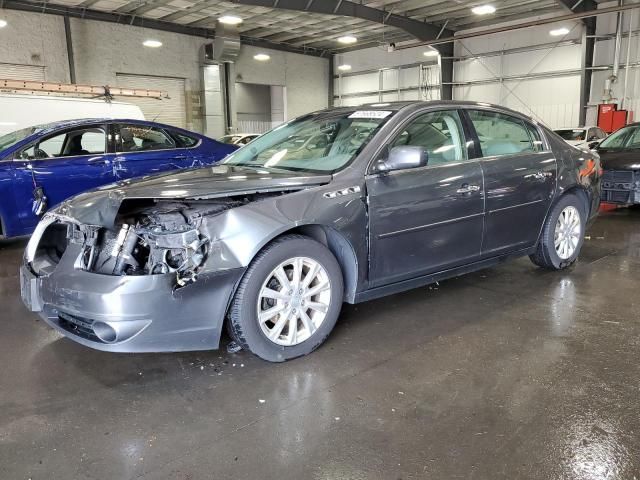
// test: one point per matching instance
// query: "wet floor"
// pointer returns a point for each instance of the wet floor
(507, 373)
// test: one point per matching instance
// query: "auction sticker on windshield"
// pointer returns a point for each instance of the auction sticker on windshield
(370, 114)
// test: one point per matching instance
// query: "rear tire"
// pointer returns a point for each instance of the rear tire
(288, 301)
(562, 235)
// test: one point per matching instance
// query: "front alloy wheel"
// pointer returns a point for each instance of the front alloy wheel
(289, 299)
(294, 301)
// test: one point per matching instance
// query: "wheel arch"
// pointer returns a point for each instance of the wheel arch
(577, 190)
(337, 244)
(582, 193)
(341, 248)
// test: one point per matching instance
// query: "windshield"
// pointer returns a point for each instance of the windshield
(322, 143)
(571, 134)
(623, 139)
(12, 138)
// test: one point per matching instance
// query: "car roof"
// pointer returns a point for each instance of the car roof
(397, 106)
(92, 121)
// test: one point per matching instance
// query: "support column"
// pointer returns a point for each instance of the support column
(72, 65)
(446, 71)
(588, 47)
(331, 80)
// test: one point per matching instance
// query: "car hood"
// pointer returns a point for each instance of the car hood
(620, 160)
(100, 206)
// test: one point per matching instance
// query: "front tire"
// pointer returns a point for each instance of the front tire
(562, 235)
(288, 301)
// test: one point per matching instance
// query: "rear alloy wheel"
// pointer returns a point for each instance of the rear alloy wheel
(288, 300)
(562, 235)
(568, 232)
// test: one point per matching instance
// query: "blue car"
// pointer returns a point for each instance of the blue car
(43, 165)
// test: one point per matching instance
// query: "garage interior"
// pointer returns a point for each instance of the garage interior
(509, 372)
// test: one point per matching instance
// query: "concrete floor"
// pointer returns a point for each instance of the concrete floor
(512, 372)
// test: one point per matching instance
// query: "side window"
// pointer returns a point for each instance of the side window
(185, 141)
(140, 138)
(601, 134)
(441, 135)
(86, 141)
(501, 134)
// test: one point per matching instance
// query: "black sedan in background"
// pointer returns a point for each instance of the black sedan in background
(342, 205)
(620, 157)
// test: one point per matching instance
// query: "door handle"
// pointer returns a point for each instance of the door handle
(539, 175)
(466, 188)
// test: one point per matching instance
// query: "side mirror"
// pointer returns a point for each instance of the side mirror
(403, 158)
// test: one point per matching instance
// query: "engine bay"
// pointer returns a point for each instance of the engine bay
(151, 238)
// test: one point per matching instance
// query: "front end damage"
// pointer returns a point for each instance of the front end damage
(159, 279)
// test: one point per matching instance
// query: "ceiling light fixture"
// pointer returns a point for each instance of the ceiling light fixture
(431, 53)
(230, 20)
(483, 10)
(348, 39)
(344, 67)
(558, 32)
(3, 23)
(261, 57)
(152, 43)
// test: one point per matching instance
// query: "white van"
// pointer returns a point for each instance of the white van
(20, 111)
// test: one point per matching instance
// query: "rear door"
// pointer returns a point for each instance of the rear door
(144, 150)
(63, 164)
(520, 180)
(427, 219)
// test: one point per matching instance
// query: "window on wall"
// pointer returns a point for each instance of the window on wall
(140, 138)
(440, 133)
(501, 134)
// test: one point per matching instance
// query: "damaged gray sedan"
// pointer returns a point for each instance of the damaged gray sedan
(343, 205)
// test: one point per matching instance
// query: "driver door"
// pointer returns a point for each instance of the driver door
(63, 164)
(427, 219)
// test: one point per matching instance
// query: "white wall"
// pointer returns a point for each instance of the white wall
(306, 78)
(392, 71)
(103, 49)
(550, 91)
(30, 39)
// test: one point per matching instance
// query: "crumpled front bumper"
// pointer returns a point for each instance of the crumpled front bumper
(130, 313)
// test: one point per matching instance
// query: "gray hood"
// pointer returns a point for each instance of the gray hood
(100, 206)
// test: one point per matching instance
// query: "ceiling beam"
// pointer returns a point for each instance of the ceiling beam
(126, 19)
(420, 30)
(578, 6)
(519, 26)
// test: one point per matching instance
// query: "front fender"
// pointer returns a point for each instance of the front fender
(239, 234)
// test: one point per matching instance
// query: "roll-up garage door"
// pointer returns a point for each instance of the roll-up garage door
(171, 111)
(12, 71)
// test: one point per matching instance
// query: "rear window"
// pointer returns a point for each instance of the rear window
(502, 134)
(570, 134)
(185, 141)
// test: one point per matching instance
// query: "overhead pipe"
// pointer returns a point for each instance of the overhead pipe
(626, 71)
(519, 26)
(607, 96)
